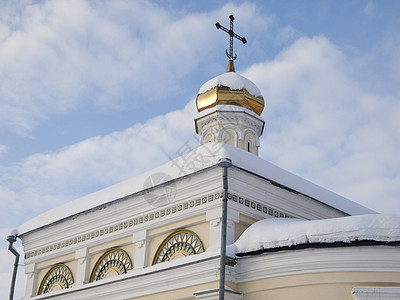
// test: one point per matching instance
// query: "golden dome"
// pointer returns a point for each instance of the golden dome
(230, 88)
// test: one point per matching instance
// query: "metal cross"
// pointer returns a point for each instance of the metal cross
(232, 34)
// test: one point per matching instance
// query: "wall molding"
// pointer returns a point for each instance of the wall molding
(156, 215)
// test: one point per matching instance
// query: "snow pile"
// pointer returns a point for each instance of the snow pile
(277, 233)
(232, 80)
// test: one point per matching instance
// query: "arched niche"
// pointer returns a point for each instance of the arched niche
(111, 263)
(249, 143)
(59, 277)
(178, 244)
(229, 136)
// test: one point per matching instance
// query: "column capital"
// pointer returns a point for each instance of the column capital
(216, 214)
(31, 280)
(81, 253)
(140, 236)
(30, 268)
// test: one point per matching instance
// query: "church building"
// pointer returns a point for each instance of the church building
(158, 235)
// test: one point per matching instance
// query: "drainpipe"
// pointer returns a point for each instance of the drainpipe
(11, 239)
(224, 163)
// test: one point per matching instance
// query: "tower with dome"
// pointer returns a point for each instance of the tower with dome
(160, 239)
(229, 108)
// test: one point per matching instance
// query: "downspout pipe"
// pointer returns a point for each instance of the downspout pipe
(11, 240)
(223, 163)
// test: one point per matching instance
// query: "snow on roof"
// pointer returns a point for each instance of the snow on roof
(276, 233)
(232, 80)
(210, 154)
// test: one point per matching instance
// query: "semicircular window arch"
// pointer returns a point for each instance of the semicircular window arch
(57, 278)
(111, 263)
(178, 244)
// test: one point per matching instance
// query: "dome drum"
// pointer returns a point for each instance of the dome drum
(228, 124)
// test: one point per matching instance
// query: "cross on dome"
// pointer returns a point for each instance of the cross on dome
(232, 34)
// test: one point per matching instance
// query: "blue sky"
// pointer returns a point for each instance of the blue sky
(94, 92)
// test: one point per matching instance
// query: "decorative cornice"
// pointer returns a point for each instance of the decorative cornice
(158, 214)
(229, 117)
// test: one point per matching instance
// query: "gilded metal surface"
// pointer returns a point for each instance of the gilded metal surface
(207, 99)
(231, 66)
(222, 95)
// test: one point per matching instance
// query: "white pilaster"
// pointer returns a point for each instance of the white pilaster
(141, 239)
(214, 216)
(232, 219)
(82, 273)
(230, 232)
(31, 280)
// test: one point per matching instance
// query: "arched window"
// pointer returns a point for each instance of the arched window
(249, 143)
(113, 262)
(209, 138)
(178, 244)
(57, 278)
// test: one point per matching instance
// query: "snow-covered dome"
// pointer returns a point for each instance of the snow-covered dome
(230, 88)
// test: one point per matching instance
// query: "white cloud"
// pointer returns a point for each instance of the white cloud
(369, 8)
(43, 181)
(286, 34)
(56, 55)
(3, 150)
(391, 45)
(327, 126)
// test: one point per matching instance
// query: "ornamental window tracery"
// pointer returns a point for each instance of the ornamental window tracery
(57, 278)
(178, 244)
(111, 263)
